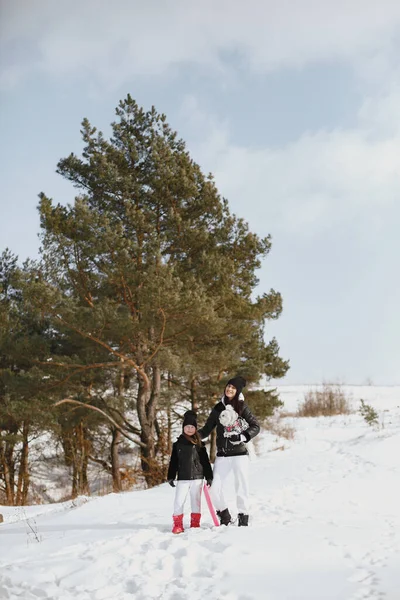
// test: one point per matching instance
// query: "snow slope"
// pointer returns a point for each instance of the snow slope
(325, 525)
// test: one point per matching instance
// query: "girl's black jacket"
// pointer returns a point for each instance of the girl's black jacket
(224, 446)
(189, 461)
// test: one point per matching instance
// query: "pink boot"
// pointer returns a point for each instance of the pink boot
(195, 519)
(178, 524)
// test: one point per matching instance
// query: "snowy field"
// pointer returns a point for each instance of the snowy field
(325, 525)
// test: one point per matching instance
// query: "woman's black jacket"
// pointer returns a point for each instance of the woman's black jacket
(189, 461)
(224, 446)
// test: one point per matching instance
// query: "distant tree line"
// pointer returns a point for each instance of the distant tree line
(142, 303)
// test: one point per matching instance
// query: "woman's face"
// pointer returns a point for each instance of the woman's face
(189, 429)
(230, 391)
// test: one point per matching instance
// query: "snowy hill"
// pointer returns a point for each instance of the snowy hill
(325, 525)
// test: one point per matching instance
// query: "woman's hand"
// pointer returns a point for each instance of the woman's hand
(237, 438)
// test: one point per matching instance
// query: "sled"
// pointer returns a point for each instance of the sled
(210, 505)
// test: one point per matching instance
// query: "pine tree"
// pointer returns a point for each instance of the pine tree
(23, 408)
(151, 270)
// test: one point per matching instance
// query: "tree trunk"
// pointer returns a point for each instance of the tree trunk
(7, 474)
(67, 443)
(160, 442)
(213, 445)
(193, 394)
(163, 452)
(9, 458)
(116, 437)
(169, 420)
(23, 472)
(115, 464)
(75, 483)
(81, 451)
(147, 402)
(145, 429)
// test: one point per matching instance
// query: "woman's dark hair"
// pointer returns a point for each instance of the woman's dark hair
(238, 383)
(236, 403)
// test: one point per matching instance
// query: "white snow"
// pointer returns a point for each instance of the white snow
(325, 525)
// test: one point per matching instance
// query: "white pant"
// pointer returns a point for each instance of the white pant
(183, 487)
(223, 466)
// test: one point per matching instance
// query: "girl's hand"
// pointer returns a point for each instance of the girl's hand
(171, 483)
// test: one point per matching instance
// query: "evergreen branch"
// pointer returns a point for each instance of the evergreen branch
(178, 383)
(80, 367)
(174, 337)
(60, 381)
(129, 302)
(66, 264)
(130, 344)
(161, 338)
(123, 357)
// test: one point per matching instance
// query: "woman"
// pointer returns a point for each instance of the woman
(232, 454)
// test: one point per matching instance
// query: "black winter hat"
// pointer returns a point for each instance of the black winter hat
(190, 418)
(238, 382)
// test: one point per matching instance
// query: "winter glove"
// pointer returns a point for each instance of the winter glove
(237, 439)
(171, 483)
(209, 482)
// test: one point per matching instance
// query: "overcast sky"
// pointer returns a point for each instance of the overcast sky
(294, 105)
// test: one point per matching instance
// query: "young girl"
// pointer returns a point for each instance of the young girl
(189, 460)
(232, 454)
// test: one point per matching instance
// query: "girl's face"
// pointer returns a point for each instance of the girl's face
(189, 429)
(230, 391)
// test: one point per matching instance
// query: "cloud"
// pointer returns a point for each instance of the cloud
(380, 114)
(323, 177)
(321, 180)
(112, 42)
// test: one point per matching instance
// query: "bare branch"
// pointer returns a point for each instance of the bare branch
(78, 403)
(103, 463)
(130, 427)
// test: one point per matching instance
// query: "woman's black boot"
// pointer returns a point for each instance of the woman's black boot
(243, 520)
(224, 516)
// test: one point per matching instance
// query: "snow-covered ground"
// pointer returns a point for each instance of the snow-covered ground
(325, 525)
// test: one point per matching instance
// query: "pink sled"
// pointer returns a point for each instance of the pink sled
(210, 505)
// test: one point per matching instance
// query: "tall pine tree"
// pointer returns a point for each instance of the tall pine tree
(151, 269)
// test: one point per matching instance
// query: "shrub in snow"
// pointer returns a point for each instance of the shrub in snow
(369, 414)
(329, 401)
(279, 428)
